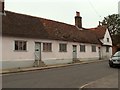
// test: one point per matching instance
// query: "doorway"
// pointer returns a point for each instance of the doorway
(74, 52)
(37, 51)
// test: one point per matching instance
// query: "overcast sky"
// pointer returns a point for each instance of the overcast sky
(91, 11)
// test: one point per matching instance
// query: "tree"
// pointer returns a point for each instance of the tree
(113, 23)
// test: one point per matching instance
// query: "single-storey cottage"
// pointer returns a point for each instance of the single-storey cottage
(34, 41)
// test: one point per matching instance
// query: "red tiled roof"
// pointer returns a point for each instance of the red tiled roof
(99, 31)
(20, 25)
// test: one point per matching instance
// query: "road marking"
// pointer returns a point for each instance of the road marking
(87, 84)
(94, 81)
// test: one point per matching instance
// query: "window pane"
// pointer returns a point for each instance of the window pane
(93, 48)
(107, 39)
(82, 48)
(16, 45)
(24, 45)
(62, 47)
(20, 45)
(44, 47)
(47, 47)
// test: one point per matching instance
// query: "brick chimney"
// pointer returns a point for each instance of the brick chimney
(78, 20)
(2, 6)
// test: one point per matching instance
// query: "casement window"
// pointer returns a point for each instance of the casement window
(62, 47)
(93, 48)
(107, 39)
(20, 46)
(47, 47)
(107, 49)
(82, 48)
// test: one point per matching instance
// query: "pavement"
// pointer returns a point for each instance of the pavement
(18, 70)
(110, 81)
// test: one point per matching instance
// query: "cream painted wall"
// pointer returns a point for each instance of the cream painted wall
(9, 53)
(55, 54)
(105, 54)
(104, 41)
(54, 57)
(89, 55)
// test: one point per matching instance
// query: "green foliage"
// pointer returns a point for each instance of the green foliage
(113, 23)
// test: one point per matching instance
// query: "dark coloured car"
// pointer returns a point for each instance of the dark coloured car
(115, 60)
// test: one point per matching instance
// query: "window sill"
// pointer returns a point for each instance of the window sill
(20, 51)
(63, 51)
(82, 52)
(47, 51)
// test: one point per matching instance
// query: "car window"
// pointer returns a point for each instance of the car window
(117, 54)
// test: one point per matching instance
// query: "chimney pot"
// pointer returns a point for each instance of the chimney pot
(77, 13)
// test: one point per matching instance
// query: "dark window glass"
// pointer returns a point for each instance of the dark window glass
(82, 48)
(93, 48)
(20, 45)
(63, 47)
(47, 47)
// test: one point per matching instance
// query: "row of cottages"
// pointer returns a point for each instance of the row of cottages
(32, 41)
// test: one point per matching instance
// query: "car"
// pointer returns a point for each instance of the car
(115, 60)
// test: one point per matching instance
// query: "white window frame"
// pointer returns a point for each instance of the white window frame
(82, 48)
(19, 45)
(47, 47)
(62, 47)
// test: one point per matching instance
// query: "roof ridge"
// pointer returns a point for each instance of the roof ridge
(24, 14)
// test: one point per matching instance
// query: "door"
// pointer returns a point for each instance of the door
(37, 51)
(74, 52)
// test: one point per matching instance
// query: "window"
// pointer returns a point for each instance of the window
(47, 47)
(107, 39)
(107, 49)
(93, 48)
(20, 45)
(82, 48)
(63, 47)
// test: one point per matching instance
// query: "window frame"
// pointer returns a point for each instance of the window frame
(108, 40)
(20, 45)
(62, 47)
(93, 47)
(82, 48)
(47, 47)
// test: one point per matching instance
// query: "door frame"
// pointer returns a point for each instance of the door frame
(74, 53)
(40, 49)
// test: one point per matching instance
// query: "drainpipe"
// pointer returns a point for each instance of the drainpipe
(99, 48)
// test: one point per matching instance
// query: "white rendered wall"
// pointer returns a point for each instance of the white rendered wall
(55, 57)
(104, 41)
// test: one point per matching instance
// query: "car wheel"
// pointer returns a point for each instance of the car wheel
(111, 65)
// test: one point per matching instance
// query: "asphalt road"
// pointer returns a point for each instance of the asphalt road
(63, 77)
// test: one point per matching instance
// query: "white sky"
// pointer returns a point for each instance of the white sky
(91, 11)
